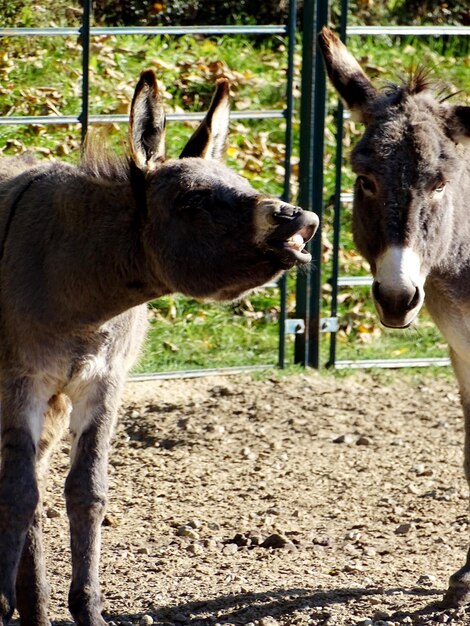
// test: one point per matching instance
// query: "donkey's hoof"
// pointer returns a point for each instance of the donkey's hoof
(458, 593)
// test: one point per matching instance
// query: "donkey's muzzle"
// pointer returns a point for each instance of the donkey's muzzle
(397, 307)
(295, 229)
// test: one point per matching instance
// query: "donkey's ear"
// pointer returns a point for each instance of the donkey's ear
(458, 123)
(208, 140)
(147, 123)
(347, 76)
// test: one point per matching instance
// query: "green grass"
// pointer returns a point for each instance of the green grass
(42, 76)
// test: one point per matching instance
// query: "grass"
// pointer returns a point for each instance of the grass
(42, 76)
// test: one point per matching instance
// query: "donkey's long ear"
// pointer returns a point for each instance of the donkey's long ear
(458, 123)
(208, 140)
(347, 76)
(147, 123)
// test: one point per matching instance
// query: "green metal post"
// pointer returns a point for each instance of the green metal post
(312, 125)
(85, 41)
(337, 200)
(291, 32)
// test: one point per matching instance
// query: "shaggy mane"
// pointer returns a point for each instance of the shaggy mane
(418, 81)
(100, 161)
(414, 83)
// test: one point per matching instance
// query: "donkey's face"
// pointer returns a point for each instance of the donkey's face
(409, 168)
(209, 233)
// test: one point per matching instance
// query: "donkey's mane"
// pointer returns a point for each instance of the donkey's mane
(413, 83)
(100, 161)
(419, 80)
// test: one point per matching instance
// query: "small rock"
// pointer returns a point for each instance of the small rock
(368, 551)
(143, 550)
(187, 531)
(344, 439)
(322, 540)
(403, 529)
(223, 391)
(241, 540)
(363, 441)
(195, 548)
(352, 568)
(365, 622)
(273, 511)
(146, 620)
(277, 541)
(195, 523)
(421, 470)
(249, 454)
(381, 616)
(210, 544)
(230, 548)
(216, 430)
(268, 621)
(353, 535)
(426, 580)
(52, 513)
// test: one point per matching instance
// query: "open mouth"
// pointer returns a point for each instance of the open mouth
(294, 246)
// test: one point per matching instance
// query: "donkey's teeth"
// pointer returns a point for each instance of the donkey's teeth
(297, 239)
(296, 242)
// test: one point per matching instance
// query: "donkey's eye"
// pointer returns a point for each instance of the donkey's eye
(194, 200)
(366, 184)
(440, 187)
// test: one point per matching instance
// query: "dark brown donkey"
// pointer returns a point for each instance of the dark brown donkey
(83, 248)
(411, 214)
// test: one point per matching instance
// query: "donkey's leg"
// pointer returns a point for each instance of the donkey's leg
(86, 490)
(458, 592)
(32, 590)
(21, 425)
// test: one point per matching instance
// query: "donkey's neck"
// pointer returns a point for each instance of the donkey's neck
(452, 272)
(91, 250)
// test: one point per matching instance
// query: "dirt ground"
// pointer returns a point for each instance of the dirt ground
(308, 499)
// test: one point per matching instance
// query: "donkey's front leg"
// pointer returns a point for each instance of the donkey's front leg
(458, 593)
(21, 424)
(86, 490)
(32, 589)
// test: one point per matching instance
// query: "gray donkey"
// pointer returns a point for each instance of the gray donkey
(411, 218)
(82, 249)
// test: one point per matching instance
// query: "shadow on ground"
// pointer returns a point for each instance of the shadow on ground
(279, 604)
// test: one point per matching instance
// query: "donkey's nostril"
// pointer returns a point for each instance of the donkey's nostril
(376, 291)
(396, 300)
(286, 212)
(414, 300)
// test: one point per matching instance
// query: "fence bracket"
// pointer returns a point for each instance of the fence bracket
(329, 324)
(294, 326)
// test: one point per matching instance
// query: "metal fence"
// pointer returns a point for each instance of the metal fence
(308, 324)
(85, 34)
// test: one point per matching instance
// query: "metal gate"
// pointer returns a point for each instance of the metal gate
(85, 34)
(308, 325)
